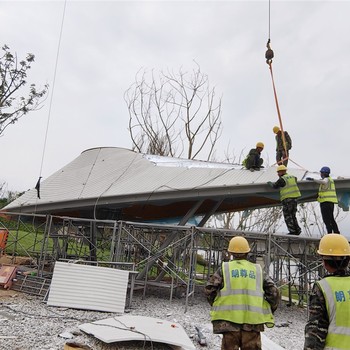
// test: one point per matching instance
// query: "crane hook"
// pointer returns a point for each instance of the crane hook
(269, 53)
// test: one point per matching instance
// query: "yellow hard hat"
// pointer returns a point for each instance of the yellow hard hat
(334, 244)
(276, 129)
(260, 144)
(281, 168)
(238, 244)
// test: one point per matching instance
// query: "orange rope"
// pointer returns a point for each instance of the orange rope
(278, 108)
(269, 56)
(269, 62)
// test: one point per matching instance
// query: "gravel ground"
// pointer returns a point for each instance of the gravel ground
(27, 323)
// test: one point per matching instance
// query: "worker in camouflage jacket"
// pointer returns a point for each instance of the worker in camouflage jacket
(282, 146)
(243, 299)
(289, 194)
(253, 160)
(328, 326)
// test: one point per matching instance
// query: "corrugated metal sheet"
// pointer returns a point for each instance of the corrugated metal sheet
(128, 327)
(111, 172)
(114, 176)
(88, 287)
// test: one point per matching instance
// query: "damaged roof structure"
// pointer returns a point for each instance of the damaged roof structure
(120, 184)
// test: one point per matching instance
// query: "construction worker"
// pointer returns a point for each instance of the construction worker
(282, 146)
(243, 299)
(289, 192)
(327, 197)
(253, 161)
(328, 326)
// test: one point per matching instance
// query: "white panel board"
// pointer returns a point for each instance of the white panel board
(128, 327)
(88, 287)
(268, 344)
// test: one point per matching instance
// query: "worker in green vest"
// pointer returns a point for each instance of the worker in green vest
(327, 197)
(243, 299)
(328, 326)
(289, 193)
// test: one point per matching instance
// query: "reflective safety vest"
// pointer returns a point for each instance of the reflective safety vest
(336, 292)
(327, 193)
(290, 190)
(241, 300)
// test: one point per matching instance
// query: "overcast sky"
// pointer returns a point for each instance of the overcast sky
(105, 43)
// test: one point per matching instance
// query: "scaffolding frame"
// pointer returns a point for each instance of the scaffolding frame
(163, 255)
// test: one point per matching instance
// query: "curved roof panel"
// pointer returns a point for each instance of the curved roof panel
(112, 178)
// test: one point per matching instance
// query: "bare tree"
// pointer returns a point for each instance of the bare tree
(259, 220)
(13, 74)
(310, 217)
(271, 219)
(174, 114)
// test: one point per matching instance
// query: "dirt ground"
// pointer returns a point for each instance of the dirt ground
(15, 260)
(8, 293)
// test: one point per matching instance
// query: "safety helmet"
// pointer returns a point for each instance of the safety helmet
(260, 144)
(281, 168)
(239, 245)
(334, 244)
(325, 169)
(276, 129)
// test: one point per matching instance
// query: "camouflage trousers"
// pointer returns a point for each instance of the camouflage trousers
(281, 154)
(289, 208)
(241, 340)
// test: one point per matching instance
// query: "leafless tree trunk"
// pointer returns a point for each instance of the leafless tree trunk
(260, 220)
(311, 219)
(174, 114)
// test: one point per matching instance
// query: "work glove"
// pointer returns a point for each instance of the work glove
(270, 184)
(309, 178)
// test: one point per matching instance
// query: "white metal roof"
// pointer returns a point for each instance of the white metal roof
(116, 176)
(117, 172)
